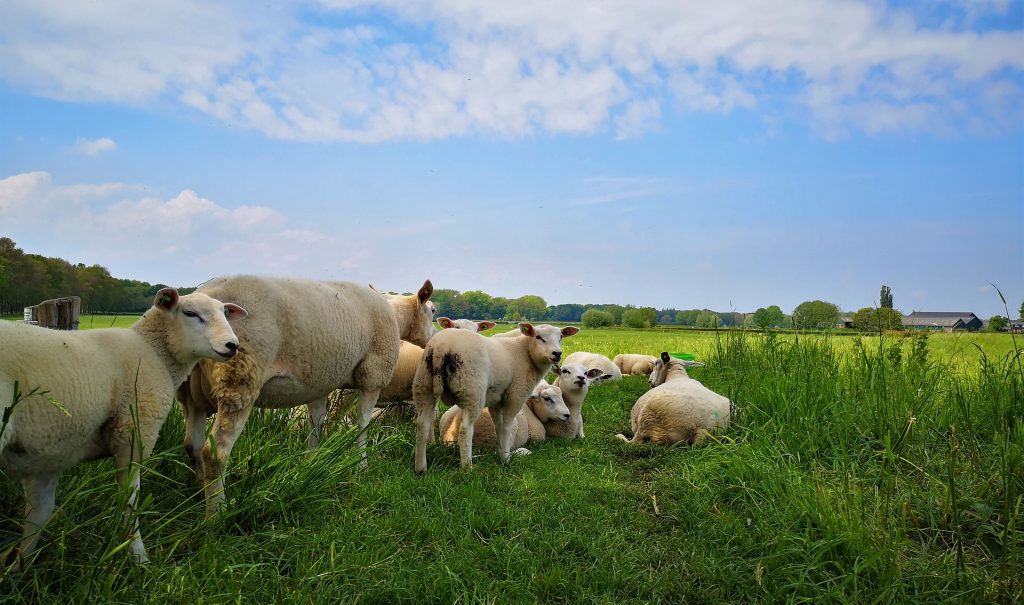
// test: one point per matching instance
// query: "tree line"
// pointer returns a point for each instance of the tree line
(28, 279)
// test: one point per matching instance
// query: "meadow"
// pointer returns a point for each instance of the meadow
(858, 469)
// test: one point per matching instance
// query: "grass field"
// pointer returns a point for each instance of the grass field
(858, 470)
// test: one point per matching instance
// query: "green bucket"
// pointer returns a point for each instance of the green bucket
(684, 356)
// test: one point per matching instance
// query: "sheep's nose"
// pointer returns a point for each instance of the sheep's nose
(565, 416)
(556, 355)
(232, 346)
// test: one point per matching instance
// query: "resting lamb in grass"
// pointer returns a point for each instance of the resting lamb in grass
(302, 340)
(472, 371)
(635, 365)
(544, 406)
(678, 409)
(609, 371)
(573, 382)
(105, 379)
(465, 324)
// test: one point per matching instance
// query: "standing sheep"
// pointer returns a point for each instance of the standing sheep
(573, 381)
(117, 387)
(609, 371)
(544, 406)
(472, 371)
(635, 365)
(678, 409)
(302, 340)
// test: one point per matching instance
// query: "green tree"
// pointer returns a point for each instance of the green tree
(815, 315)
(770, 317)
(478, 304)
(531, 307)
(885, 298)
(1020, 314)
(635, 318)
(595, 318)
(707, 319)
(875, 320)
(997, 323)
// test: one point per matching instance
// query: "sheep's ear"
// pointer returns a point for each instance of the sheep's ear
(570, 330)
(166, 299)
(526, 328)
(593, 373)
(233, 312)
(665, 356)
(374, 288)
(557, 369)
(607, 377)
(485, 325)
(444, 322)
(424, 294)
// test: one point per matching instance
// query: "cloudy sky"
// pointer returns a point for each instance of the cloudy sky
(728, 155)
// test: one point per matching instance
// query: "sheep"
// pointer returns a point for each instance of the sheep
(635, 365)
(465, 324)
(573, 382)
(609, 371)
(545, 405)
(678, 409)
(303, 340)
(472, 371)
(114, 388)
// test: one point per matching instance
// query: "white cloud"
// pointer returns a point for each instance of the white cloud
(515, 69)
(93, 147)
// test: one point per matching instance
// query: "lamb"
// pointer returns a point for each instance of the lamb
(678, 409)
(115, 387)
(545, 405)
(472, 371)
(635, 365)
(609, 371)
(303, 340)
(573, 382)
(465, 324)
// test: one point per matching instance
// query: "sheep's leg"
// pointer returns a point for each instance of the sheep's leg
(227, 427)
(470, 414)
(195, 436)
(40, 496)
(425, 413)
(506, 426)
(317, 412)
(128, 478)
(367, 401)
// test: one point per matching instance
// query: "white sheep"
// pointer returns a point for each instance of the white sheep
(678, 409)
(573, 382)
(631, 364)
(472, 371)
(609, 371)
(114, 386)
(465, 324)
(302, 340)
(544, 406)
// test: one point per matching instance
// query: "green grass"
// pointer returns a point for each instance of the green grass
(885, 471)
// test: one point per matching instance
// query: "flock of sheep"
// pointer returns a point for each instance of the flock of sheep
(68, 397)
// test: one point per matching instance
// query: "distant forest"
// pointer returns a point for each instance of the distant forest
(28, 279)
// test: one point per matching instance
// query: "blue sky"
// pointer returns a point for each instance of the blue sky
(656, 153)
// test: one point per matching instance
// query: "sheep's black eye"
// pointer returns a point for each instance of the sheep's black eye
(540, 339)
(548, 399)
(195, 315)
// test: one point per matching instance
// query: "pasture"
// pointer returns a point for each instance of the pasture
(858, 470)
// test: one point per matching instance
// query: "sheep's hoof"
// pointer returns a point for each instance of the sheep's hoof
(522, 452)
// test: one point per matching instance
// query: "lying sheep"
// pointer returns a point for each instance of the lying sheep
(465, 324)
(573, 382)
(114, 386)
(472, 371)
(545, 405)
(678, 409)
(303, 340)
(609, 371)
(635, 365)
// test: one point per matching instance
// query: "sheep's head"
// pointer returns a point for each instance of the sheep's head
(667, 366)
(415, 314)
(204, 322)
(547, 404)
(464, 324)
(576, 376)
(545, 343)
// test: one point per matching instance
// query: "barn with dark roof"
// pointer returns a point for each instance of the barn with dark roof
(947, 321)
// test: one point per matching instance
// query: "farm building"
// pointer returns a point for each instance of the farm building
(947, 321)
(56, 314)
